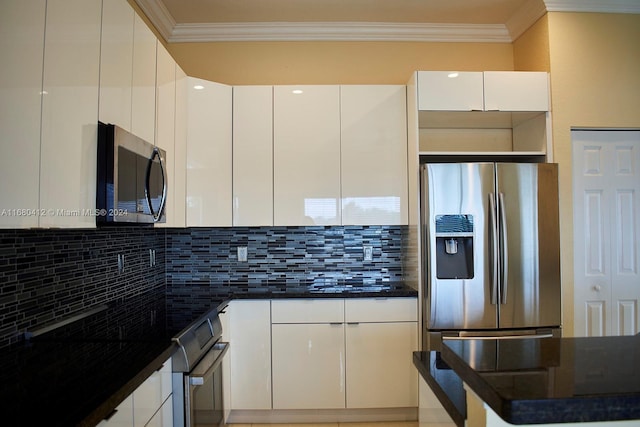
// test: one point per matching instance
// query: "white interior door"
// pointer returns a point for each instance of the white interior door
(606, 195)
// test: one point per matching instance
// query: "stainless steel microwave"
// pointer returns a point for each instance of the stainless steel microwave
(131, 179)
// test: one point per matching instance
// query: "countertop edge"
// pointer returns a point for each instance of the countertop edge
(108, 406)
(444, 399)
(545, 411)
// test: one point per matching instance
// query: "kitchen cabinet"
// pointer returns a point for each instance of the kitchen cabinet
(149, 405)
(143, 95)
(253, 156)
(381, 333)
(122, 416)
(344, 353)
(373, 155)
(165, 126)
(249, 355)
(495, 113)
(116, 63)
(306, 155)
(69, 113)
(150, 396)
(179, 179)
(483, 91)
(22, 27)
(450, 91)
(516, 91)
(209, 153)
(308, 354)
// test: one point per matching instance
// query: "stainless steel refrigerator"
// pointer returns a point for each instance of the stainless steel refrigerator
(491, 251)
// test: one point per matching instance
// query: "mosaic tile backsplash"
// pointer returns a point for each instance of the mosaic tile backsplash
(46, 275)
(278, 257)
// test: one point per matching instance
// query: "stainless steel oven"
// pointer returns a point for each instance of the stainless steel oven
(197, 373)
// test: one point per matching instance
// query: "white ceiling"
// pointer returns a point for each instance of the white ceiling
(393, 20)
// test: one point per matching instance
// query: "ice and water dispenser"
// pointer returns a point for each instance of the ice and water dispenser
(454, 246)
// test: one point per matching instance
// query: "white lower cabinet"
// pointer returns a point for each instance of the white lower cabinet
(149, 405)
(379, 366)
(249, 356)
(344, 353)
(308, 366)
(149, 397)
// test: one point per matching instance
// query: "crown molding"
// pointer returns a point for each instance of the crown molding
(159, 16)
(601, 6)
(172, 32)
(339, 31)
(525, 17)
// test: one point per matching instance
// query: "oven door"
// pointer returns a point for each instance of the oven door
(203, 389)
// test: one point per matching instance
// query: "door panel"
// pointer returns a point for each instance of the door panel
(531, 286)
(606, 184)
(458, 189)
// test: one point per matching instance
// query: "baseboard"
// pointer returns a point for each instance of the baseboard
(280, 416)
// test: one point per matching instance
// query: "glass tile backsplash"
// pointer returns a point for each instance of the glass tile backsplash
(48, 274)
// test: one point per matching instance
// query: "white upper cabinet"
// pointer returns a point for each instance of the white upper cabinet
(374, 155)
(165, 126)
(253, 155)
(116, 63)
(450, 91)
(306, 150)
(516, 91)
(70, 113)
(483, 91)
(180, 152)
(209, 153)
(143, 102)
(21, 47)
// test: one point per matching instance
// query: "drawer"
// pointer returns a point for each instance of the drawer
(381, 310)
(307, 311)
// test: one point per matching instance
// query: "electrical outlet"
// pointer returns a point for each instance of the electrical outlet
(368, 252)
(242, 254)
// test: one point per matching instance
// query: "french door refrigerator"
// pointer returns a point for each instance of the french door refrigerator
(491, 251)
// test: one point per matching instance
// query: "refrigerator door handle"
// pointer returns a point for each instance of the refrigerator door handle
(493, 230)
(504, 250)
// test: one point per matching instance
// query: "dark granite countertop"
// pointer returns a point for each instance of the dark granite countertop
(552, 380)
(79, 373)
(444, 382)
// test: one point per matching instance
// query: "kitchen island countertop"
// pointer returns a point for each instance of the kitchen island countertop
(550, 380)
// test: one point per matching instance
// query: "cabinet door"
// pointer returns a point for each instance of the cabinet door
(165, 125)
(122, 416)
(379, 368)
(250, 354)
(143, 101)
(116, 63)
(164, 416)
(516, 91)
(209, 158)
(308, 366)
(180, 151)
(374, 155)
(151, 394)
(450, 91)
(22, 26)
(70, 113)
(253, 155)
(306, 150)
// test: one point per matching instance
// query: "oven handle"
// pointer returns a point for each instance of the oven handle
(197, 376)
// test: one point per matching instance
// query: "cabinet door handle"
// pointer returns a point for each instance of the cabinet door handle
(353, 323)
(335, 323)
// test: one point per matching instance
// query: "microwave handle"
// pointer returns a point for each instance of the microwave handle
(158, 214)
